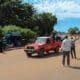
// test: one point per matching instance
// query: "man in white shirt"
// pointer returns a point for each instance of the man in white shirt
(66, 48)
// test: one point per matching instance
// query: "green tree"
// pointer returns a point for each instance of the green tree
(73, 30)
(11, 28)
(6, 11)
(45, 22)
(15, 12)
(27, 33)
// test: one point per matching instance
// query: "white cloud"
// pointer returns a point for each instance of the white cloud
(61, 8)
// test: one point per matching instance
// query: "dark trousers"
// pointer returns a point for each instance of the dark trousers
(66, 55)
(1, 49)
(1, 46)
(73, 52)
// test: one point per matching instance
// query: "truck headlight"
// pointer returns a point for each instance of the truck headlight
(25, 47)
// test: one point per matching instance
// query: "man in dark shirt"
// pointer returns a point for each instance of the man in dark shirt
(73, 51)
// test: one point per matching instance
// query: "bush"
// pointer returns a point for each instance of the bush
(11, 28)
(24, 31)
(27, 34)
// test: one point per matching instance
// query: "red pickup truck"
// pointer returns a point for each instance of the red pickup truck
(42, 46)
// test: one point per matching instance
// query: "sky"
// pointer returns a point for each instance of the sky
(66, 11)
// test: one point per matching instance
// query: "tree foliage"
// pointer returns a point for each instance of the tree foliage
(14, 12)
(73, 30)
(27, 33)
(44, 22)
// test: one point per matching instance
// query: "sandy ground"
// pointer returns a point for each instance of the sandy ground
(15, 65)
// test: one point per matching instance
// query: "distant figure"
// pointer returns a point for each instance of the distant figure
(73, 51)
(58, 38)
(53, 35)
(66, 48)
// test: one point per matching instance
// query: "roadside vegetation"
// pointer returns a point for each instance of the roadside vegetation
(16, 16)
(23, 15)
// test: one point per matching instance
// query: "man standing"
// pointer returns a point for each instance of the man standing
(66, 48)
(73, 51)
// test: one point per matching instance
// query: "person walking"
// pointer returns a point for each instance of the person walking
(66, 48)
(73, 51)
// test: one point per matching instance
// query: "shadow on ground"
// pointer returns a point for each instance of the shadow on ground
(46, 55)
(78, 58)
(74, 67)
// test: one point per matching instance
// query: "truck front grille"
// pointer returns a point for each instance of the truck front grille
(30, 47)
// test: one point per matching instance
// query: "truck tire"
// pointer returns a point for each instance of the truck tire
(41, 53)
(28, 54)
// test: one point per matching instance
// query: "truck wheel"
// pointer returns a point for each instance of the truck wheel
(29, 54)
(56, 50)
(41, 53)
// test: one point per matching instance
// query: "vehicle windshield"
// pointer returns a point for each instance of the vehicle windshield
(41, 40)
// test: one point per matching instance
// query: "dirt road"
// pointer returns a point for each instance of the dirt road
(14, 65)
